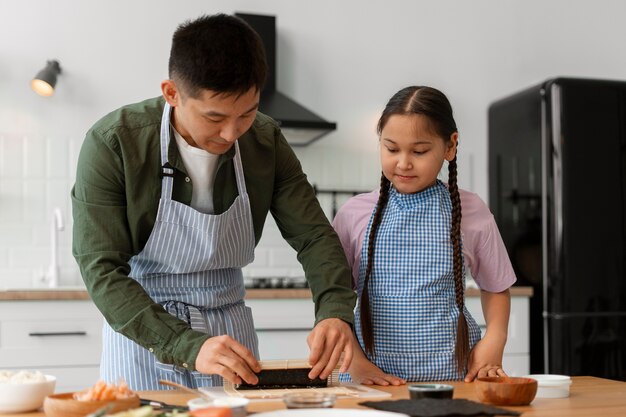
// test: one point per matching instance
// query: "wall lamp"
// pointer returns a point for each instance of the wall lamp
(45, 80)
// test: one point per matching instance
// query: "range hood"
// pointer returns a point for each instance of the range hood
(299, 125)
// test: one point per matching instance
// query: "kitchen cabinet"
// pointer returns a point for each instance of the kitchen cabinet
(57, 337)
(283, 325)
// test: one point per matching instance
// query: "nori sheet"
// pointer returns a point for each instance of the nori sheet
(285, 378)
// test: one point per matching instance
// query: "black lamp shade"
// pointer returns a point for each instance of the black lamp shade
(45, 80)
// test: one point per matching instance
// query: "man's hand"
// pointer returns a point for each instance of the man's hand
(223, 355)
(327, 341)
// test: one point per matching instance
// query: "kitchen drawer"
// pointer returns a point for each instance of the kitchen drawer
(295, 314)
(38, 334)
(49, 342)
(282, 326)
(283, 344)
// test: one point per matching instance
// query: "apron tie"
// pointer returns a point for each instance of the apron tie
(190, 314)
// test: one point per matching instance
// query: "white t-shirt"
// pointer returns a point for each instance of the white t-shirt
(201, 166)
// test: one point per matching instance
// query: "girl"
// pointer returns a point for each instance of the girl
(411, 320)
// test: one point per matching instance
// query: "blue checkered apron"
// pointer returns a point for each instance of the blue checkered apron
(414, 313)
(191, 265)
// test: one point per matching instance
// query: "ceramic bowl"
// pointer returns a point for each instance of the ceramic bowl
(237, 406)
(504, 390)
(552, 386)
(309, 400)
(25, 396)
(419, 391)
(64, 405)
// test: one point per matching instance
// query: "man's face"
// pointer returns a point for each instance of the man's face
(212, 121)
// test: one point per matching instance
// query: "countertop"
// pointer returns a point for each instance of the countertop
(589, 396)
(287, 293)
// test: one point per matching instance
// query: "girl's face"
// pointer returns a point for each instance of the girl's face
(411, 154)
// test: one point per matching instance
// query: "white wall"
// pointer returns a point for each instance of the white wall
(342, 59)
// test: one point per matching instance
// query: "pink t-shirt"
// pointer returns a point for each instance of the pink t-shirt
(483, 248)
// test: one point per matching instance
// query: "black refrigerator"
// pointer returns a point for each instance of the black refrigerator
(557, 188)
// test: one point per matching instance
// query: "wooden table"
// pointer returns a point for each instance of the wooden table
(589, 397)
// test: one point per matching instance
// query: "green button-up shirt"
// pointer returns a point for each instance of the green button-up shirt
(115, 200)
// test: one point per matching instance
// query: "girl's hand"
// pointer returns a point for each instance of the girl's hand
(485, 359)
(362, 371)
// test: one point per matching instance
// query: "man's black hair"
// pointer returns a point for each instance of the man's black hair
(221, 53)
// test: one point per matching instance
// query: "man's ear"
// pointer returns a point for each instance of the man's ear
(170, 92)
(451, 147)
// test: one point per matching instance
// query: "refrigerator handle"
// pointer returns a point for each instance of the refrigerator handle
(552, 219)
(545, 155)
(557, 174)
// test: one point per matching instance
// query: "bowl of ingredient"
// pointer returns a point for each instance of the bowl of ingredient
(309, 400)
(419, 391)
(22, 391)
(552, 386)
(116, 397)
(504, 390)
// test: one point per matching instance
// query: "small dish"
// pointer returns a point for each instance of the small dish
(504, 390)
(309, 400)
(419, 391)
(236, 405)
(18, 397)
(64, 405)
(552, 386)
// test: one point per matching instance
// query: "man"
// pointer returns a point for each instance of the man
(170, 199)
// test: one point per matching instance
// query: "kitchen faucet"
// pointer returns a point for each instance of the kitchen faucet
(52, 276)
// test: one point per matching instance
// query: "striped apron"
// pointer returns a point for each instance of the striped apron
(191, 265)
(414, 312)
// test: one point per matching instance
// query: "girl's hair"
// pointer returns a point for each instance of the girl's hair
(435, 106)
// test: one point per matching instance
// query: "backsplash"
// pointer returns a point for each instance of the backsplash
(36, 176)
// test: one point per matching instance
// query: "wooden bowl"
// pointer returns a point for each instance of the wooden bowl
(64, 405)
(503, 390)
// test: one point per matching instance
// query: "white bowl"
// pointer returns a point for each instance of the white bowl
(552, 386)
(25, 396)
(237, 405)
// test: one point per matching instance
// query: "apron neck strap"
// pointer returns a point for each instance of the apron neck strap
(167, 174)
(241, 183)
